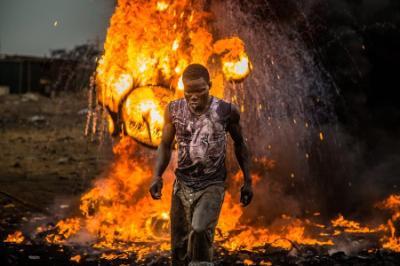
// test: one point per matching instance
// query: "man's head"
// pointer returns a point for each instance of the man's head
(196, 82)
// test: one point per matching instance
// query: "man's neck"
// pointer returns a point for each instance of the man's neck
(204, 110)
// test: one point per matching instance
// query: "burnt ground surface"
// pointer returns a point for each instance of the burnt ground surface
(47, 163)
(13, 254)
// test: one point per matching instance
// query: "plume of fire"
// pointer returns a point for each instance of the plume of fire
(118, 210)
(120, 213)
(149, 43)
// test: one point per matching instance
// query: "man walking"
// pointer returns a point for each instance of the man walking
(199, 123)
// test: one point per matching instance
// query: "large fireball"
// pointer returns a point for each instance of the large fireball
(149, 43)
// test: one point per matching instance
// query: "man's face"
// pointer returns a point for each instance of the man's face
(196, 93)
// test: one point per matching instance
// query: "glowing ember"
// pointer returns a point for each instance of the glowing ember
(76, 258)
(248, 262)
(112, 256)
(16, 237)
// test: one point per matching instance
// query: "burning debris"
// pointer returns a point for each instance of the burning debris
(15, 237)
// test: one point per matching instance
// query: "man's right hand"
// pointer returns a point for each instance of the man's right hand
(155, 188)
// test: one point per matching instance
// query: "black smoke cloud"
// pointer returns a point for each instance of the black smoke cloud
(357, 43)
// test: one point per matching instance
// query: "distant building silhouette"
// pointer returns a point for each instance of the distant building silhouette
(64, 70)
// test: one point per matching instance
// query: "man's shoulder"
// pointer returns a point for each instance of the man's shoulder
(224, 108)
(224, 102)
(175, 105)
(177, 102)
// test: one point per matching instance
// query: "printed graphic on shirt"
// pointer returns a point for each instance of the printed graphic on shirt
(207, 144)
(201, 142)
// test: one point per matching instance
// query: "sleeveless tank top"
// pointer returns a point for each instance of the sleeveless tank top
(201, 141)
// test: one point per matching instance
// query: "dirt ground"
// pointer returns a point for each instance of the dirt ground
(45, 157)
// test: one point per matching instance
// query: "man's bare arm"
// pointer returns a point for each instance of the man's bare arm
(165, 148)
(242, 155)
(241, 150)
(163, 155)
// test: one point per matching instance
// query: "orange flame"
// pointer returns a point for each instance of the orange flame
(66, 228)
(235, 62)
(76, 258)
(392, 203)
(16, 237)
(149, 43)
(351, 226)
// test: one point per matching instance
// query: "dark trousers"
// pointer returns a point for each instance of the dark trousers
(194, 216)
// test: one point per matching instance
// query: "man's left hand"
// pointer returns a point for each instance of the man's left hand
(246, 194)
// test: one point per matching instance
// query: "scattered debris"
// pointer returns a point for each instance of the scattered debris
(30, 97)
(83, 111)
(37, 119)
(63, 160)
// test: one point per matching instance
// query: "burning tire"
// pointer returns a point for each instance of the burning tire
(143, 113)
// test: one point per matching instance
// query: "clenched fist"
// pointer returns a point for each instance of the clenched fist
(246, 194)
(155, 188)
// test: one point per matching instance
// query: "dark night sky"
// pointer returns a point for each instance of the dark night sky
(28, 27)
